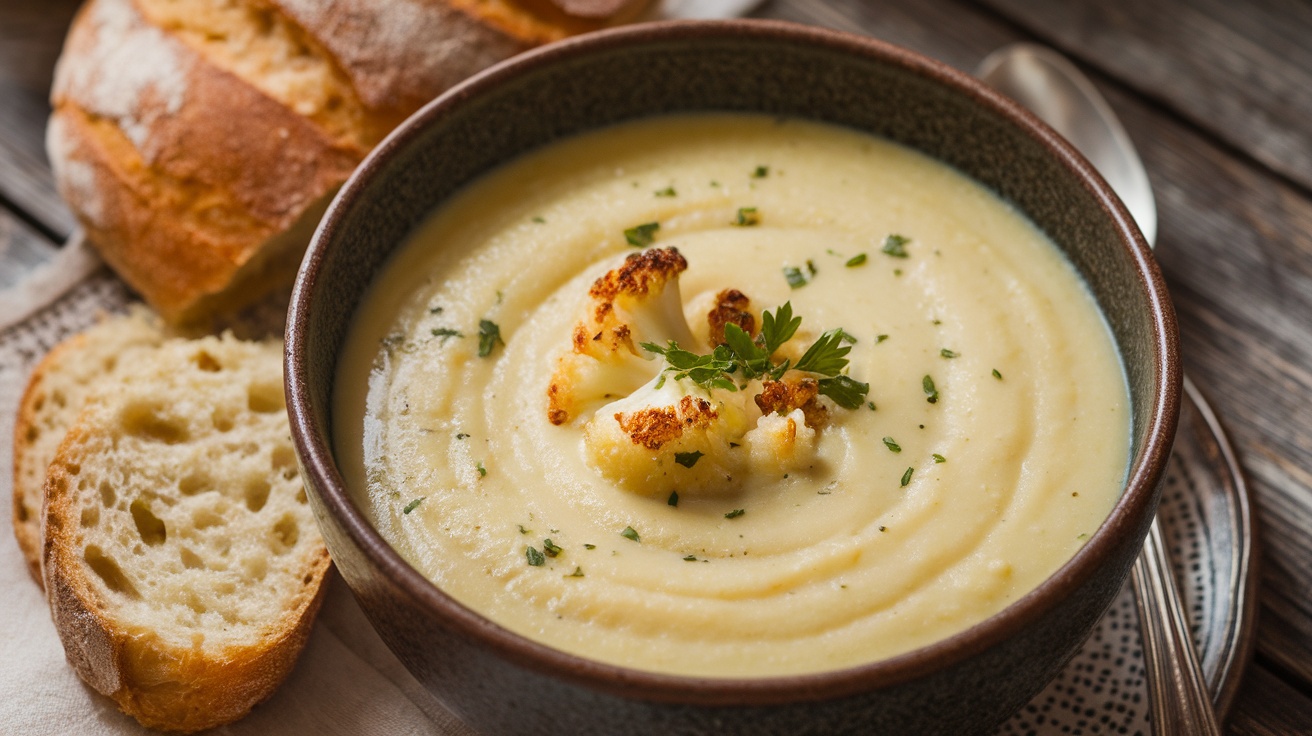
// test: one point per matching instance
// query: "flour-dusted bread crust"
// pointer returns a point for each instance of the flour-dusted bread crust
(55, 394)
(198, 141)
(181, 560)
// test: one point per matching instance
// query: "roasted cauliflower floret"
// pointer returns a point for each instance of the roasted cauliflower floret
(670, 434)
(731, 307)
(635, 303)
(794, 391)
(781, 442)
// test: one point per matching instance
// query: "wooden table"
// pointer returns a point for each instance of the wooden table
(1218, 97)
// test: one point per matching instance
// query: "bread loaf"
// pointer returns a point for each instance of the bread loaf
(55, 394)
(182, 563)
(198, 141)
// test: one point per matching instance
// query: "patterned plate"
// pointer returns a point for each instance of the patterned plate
(1208, 524)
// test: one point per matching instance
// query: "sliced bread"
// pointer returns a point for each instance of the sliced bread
(181, 560)
(55, 394)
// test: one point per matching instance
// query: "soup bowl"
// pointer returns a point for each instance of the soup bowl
(498, 681)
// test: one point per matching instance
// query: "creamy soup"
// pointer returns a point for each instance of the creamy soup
(976, 436)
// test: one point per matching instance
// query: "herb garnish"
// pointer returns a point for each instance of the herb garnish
(871, 404)
(895, 245)
(522, 530)
(761, 172)
(747, 216)
(535, 558)
(539, 219)
(446, 333)
(892, 445)
(996, 374)
(949, 353)
(754, 358)
(856, 260)
(673, 499)
(880, 338)
(578, 573)
(589, 546)
(688, 459)
(795, 278)
(630, 533)
(462, 436)
(641, 236)
(413, 505)
(551, 548)
(690, 558)
(735, 513)
(666, 192)
(482, 471)
(489, 336)
(939, 458)
(931, 393)
(906, 477)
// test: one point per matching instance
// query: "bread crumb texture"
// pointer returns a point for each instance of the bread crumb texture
(55, 394)
(182, 562)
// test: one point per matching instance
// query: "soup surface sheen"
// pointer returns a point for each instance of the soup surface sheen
(910, 522)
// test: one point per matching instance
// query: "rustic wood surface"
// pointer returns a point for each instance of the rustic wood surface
(1217, 95)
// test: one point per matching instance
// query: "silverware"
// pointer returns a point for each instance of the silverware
(1051, 87)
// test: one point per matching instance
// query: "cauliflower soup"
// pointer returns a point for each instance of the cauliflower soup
(731, 396)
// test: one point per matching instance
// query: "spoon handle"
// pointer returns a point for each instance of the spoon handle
(1177, 692)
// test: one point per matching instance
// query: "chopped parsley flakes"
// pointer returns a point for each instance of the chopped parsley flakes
(413, 505)
(761, 172)
(551, 548)
(747, 217)
(949, 353)
(895, 246)
(939, 458)
(906, 477)
(666, 192)
(735, 513)
(489, 336)
(931, 393)
(535, 558)
(892, 445)
(630, 533)
(856, 260)
(688, 459)
(996, 374)
(446, 333)
(673, 500)
(641, 236)
(795, 278)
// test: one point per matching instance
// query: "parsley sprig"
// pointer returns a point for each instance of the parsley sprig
(754, 358)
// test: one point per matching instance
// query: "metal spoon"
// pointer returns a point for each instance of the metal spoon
(1051, 87)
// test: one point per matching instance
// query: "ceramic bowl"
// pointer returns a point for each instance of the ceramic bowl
(502, 683)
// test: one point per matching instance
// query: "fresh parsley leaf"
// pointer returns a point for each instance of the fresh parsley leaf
(688, 459)
(846, 336)
(630, 533)
(931, 393)
(892, 445)
(826, 354)
(856, 260)
(446, 333)
(707, 371)
(747, 217)
(895, 245)
(673, 499)
(846, 391)
(489, 336)
(795, 278)
(551, 548)
(413, 505)
(535, 558)
(641, 236)
(778, 328)
(906, 477)
(735, 513)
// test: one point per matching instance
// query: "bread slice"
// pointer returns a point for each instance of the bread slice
(181, 560)
(55, 394)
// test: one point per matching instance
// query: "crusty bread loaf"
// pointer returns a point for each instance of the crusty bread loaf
(198, 141)
(55, 394)
(182, 563)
